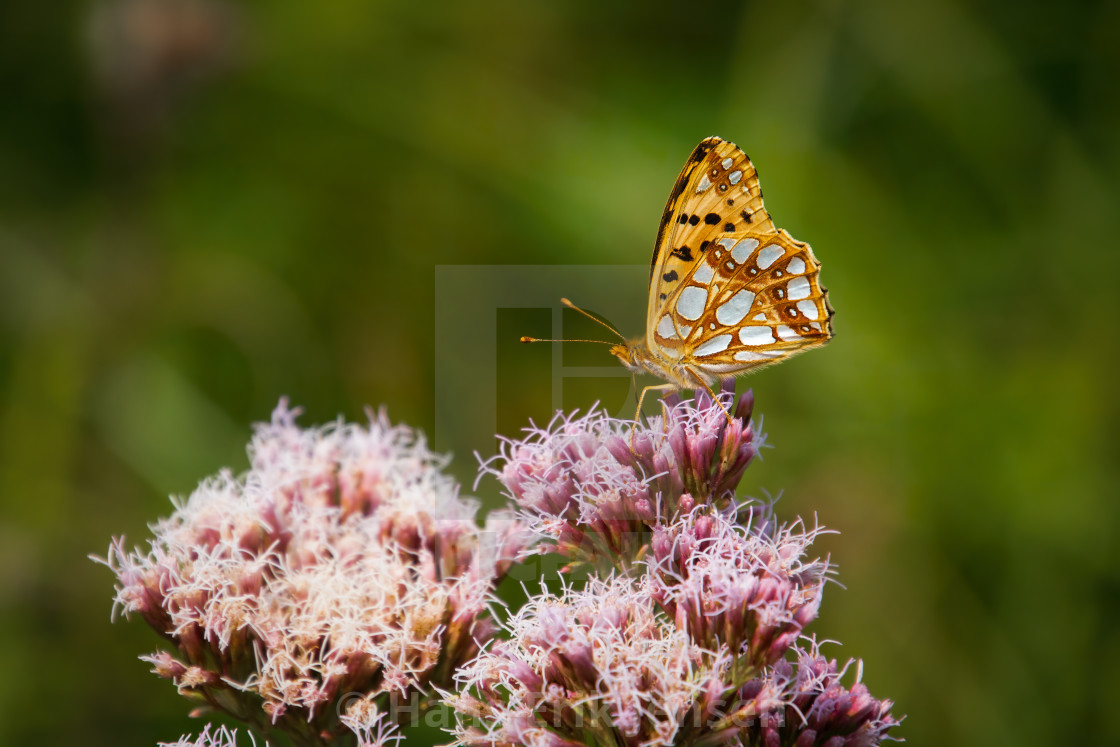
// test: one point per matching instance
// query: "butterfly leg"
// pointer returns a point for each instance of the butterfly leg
(715, 399)
(638, 413)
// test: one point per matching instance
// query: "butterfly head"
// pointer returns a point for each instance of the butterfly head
(636, 356)
(632, 356)
(624, 353)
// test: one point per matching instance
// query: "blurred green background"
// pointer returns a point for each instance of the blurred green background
(207, 204)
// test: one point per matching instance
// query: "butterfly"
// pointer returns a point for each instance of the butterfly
(728, 292)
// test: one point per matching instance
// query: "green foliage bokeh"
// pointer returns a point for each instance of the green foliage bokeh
(208, 204)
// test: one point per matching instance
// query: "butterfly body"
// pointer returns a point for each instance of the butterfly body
(637, 357)
(728, 291)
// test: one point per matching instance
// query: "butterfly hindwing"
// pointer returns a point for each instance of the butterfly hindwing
(752, 298)
(763, 303)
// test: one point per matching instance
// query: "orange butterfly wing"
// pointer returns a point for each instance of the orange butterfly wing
(728, 291)
(716, 192)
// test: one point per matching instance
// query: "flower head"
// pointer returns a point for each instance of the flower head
(595, 666)
(593, 487)
(689, 644)
(344, 561)
(749, 588)
(820, 709)
(601, 666)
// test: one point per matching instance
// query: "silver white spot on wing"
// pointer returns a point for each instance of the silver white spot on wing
(808, 307)
(759, 317)
(768, 255)
(715, 345)
(733, 311)
(666, 329)
(704, 184)
(735, 176)
(756, 336)
(798, 288)
(796, 266)
(727, 163)
(726, 243)
(786, 333)
(690, 303)
(750, 355)
(717, 369)
(743, 249)
(703, 273)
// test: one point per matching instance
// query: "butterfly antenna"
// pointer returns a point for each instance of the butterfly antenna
(526, 338)
(593, 318)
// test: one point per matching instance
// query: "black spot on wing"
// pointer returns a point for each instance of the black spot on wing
(683, 253)
(728, 227)
(698, 155)
(670, 276)
(711, 219)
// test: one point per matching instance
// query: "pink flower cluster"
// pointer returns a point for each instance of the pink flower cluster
(687, 640)
(594, 487)
(599, 666)
(819, 709)
(344, 572)
(341, 568)
(749, 589)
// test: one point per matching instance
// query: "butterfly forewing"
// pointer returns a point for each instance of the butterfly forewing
(730, 295)
(716, 193)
